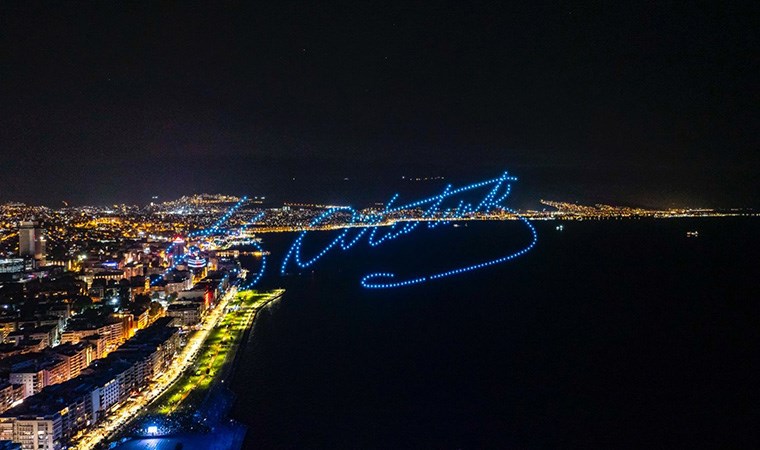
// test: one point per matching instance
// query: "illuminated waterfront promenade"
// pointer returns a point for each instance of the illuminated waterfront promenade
(184, 361)
(216, 355)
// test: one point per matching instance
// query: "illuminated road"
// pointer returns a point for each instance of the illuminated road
(133, 406)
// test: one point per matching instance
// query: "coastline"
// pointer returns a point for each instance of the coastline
(247, 335)
(211, 410)
(219, 399)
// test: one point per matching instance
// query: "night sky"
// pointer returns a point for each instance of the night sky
(655, 105)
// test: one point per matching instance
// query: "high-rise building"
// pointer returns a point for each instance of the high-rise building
(178, 247)
(31, 241)
(26, 238)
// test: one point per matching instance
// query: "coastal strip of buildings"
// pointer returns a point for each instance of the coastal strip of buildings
(90, 313)
(52, 417)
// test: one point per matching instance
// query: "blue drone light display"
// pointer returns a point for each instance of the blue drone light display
(369, 225)
(367, 279)
(258, 247)
(215, 227)
(261, 269)
(500, 189)
(255, 219)
(203, 233)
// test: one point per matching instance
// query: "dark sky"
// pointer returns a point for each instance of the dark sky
(106, 102)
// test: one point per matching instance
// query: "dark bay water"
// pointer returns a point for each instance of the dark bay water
(609, 334)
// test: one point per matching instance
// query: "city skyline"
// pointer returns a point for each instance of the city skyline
(249, 225)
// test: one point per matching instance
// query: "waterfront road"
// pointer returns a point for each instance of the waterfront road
(133, 406)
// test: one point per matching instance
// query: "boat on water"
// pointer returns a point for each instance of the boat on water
(692, 234)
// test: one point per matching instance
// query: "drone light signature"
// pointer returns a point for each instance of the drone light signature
(370, 225)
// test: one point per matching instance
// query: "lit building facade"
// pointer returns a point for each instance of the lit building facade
(31, 241)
